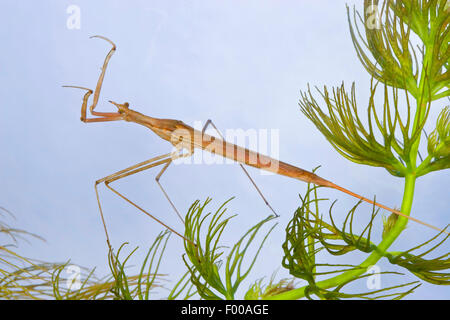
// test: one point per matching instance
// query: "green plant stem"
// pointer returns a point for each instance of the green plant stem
(408, 195)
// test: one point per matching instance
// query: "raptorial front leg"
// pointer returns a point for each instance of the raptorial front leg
(101, 116)
(209, 122)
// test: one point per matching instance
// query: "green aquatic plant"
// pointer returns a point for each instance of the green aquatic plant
(27, 278)
(404, 46)
(204, 258)
(308, 234)
(118, 285)
(21, 277)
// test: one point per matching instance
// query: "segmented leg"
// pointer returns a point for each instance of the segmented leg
(164, 170)
(153, 162)
(164, 191)
(101, 116)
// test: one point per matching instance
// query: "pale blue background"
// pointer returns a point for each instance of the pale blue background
(240, 63)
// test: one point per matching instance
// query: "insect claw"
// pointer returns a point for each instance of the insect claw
(77, 87)
(104, 38)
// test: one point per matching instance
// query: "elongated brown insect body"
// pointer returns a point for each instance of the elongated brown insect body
(181, 136)
(184, 136)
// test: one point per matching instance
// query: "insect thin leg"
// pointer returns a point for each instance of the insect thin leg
(209, 122)
(162, 188)
(153, 162)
